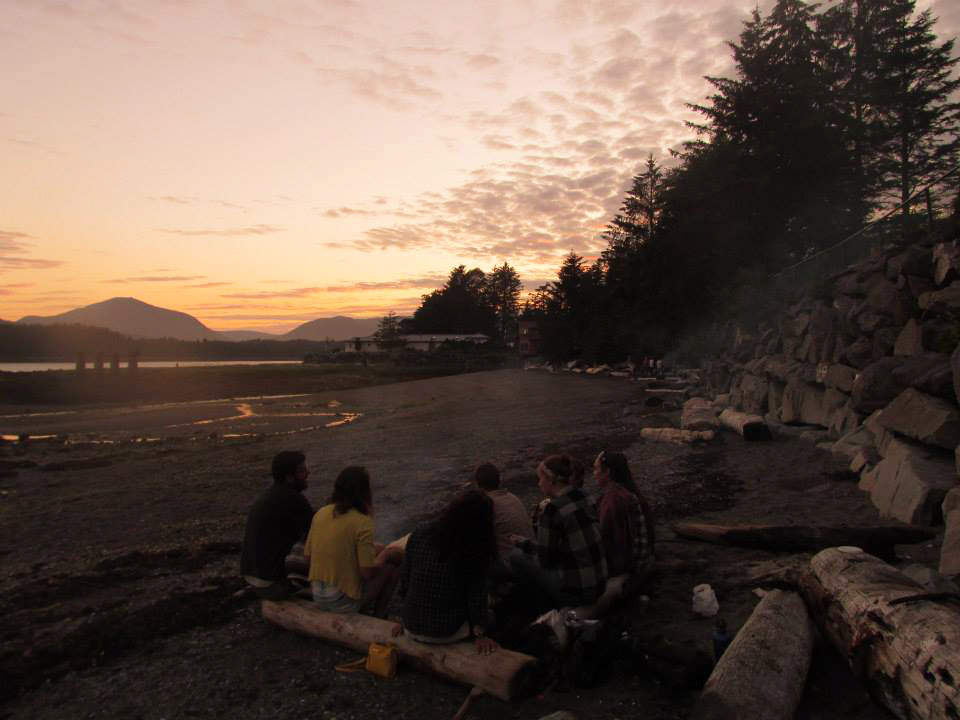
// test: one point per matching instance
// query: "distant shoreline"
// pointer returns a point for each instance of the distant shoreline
(148, 384)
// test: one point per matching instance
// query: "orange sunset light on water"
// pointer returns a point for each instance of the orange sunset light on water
(260, 164)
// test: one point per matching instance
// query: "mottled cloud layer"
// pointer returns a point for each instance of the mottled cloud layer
(14, 251)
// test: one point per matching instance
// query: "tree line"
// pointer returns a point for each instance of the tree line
(833, 116)
(471, 301)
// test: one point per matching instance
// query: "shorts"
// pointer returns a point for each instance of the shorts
(331, 599)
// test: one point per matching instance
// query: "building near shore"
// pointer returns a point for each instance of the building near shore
(423, 343)
(529, 333)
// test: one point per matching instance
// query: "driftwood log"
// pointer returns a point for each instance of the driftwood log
(903, 642)
(751, 427)
(503, 674)
(698, 414)
(879, 541)
(676, 436)
(762, 674)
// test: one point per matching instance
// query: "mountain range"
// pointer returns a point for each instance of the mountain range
(139, 319)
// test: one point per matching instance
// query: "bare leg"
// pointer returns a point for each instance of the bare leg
(379, 589)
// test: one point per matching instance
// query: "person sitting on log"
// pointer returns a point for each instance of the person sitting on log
(626, 523)
(278, 519)
(348, 571)
(567, 561)
(509, 515)
(443, 576)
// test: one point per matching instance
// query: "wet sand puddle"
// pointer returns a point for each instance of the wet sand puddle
(256, 417)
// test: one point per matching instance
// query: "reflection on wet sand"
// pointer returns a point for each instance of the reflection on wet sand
(266, 416)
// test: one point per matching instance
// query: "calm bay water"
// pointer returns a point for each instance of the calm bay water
(39, 366)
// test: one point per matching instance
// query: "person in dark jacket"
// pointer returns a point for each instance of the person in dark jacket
(444, 571)
(278, 519)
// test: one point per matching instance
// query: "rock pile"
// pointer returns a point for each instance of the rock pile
(872, 367)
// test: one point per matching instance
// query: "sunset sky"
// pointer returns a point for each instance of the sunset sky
(259, 164)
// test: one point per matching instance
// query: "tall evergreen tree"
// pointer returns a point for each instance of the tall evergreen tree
(916, 99)
(503, 296)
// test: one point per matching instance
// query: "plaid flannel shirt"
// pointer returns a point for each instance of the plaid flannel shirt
(625, 532)
(568, 541)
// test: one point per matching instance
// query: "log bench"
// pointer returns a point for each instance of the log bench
(504, 674)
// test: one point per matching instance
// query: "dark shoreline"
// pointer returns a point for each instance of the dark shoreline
(90, 387)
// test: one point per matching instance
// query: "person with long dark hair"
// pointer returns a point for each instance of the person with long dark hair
(347, 573)
(444, 571)
(626, 523)
(567, 561)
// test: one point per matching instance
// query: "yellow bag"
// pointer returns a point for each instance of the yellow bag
(380, 660)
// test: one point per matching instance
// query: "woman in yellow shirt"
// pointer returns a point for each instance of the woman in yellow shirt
(347, 571)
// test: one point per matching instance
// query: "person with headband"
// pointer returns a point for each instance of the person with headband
(567, 561)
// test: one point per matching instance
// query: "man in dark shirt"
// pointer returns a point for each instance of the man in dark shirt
(279, 518)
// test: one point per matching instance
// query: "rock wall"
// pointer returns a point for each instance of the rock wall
(871, 369)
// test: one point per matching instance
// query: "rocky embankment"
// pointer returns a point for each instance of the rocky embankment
(868, 366)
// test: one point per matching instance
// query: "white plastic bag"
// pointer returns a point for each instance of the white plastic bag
(705, 601)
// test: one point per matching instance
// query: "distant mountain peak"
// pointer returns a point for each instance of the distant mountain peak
(132, 317)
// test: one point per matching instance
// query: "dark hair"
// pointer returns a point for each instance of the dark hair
(560, 468)
(619, 469)
(351, 491)
(620, 473)
(487, 476)
(285, 464)
(463, 532)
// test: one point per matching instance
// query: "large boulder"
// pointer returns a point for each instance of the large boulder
(955, 366)
(916, 285)
(913, 260)
(858, 353)
(950, 550)
(946, 262)
(885, 299)
(809, 404)
(931, 373)
(875, 385)
(938, 300)
(859, 439)
(929, 419)
(843, 419)
(821, 334)
(911, 482)
(883, 341)
(881, 436)
(840, 377)
(910, 339)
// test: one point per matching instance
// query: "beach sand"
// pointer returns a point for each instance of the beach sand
(120, 547)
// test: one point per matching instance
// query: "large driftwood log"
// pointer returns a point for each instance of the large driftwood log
(676, 436)
(802, 538)
(698, 414)
(903, 642)
(751, 427)
(762, 674)
(503, 674)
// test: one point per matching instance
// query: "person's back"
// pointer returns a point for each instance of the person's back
(279, 518)
(444, 572)
(568, 541)
(625, 530)
(338, 546)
